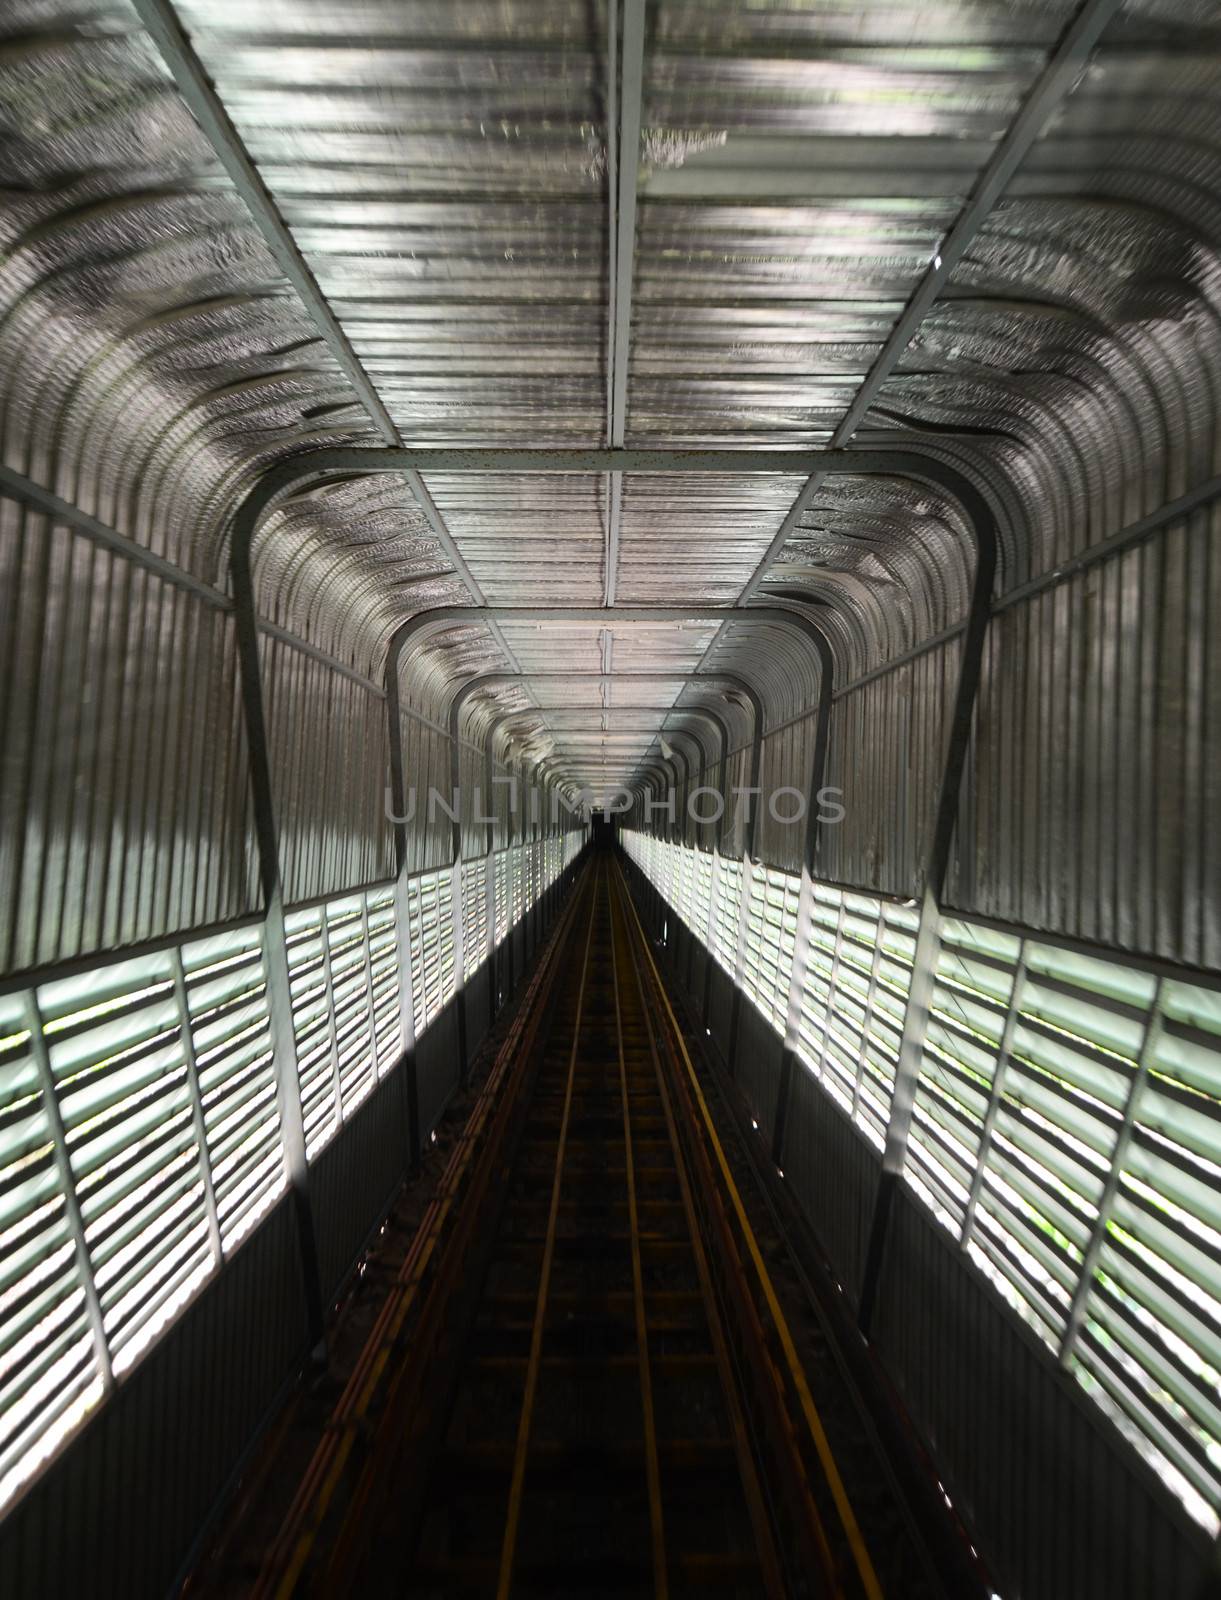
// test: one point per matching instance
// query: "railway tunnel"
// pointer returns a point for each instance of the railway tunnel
(610, 886)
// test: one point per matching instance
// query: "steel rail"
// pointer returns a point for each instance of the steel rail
(792, 1362)
(760, 1519)
(508, 1550)
(661, 1587)
(287, 1557)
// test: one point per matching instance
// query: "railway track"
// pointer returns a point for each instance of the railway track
(584, 1383)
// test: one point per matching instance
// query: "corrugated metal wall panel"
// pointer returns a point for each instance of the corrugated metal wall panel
(425, 768)
(788, 756)
(886, 751)
(123, 778)
(1059, 1506)
(328, 748)
(733, 832)
(1093, 781)
(136, 1485)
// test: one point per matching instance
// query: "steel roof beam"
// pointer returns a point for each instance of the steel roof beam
(865, 462)
(1061, 72)
(622, 164)
(197, 89)
(489, 680)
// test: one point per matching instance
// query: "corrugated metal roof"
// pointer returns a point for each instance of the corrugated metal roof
(443, 171)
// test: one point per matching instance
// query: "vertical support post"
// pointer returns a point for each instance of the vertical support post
(67, 1184)
(408, 1078)
(368, 966)
(457, 911)
(197, 1113)
(903, 1102)
(275, 944)
(457, 902)
(871, 1001)
(792, 1020)
(928, 938)
(714, 899)
(995, 1093)
(739, 962)
(750, 834)
(718, 827)
(292, 1121)
(489, 889)
(517, 867)
(1154, 1024)
(324, 940)
(832, 985)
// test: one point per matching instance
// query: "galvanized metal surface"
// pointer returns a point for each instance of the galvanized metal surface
(247, 1333)
(177, 1308)
(1066, 1511)
(1041, 1464)
(986, 232)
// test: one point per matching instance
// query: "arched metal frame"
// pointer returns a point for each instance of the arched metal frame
(890, 462)
(457, 616)
(508, 717)
(489, 680)
(692, 711)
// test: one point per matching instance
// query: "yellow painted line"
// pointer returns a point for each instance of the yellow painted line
(822, 1445)
(352, 1424)
(508, 1549)
(661, 1583)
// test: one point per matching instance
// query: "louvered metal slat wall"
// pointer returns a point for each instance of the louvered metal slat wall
(342, 959)
(1066, 1136)
(771, 935)
(50, 1371)
(116, 1049)
(725, 908)
(312, 1025)
(381, 960)
(501, 867)
(142, 1145)
(140, 1136)
(474, 915)
(226, 999)
(853, 999)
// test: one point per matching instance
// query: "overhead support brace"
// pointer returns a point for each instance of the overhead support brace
(508, 717)
(1060, 73)
(776, 615)
(623, 101)
(275, 951)
(890, 462)
(486, 681)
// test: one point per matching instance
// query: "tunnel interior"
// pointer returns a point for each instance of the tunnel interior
(735, 484)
